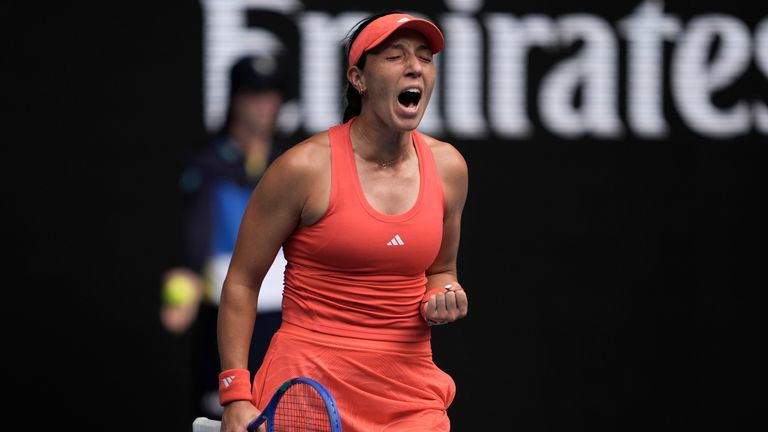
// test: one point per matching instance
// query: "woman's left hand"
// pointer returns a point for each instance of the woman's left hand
(447, 306)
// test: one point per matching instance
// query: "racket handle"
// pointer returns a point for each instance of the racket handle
(252, 426)
(204, 424)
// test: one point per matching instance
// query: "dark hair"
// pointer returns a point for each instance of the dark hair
(353, 102)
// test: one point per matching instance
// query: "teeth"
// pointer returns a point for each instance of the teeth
(417, 91)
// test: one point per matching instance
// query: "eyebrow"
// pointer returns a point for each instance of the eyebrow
(398, 45)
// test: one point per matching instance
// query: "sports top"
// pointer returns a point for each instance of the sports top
(358, 272)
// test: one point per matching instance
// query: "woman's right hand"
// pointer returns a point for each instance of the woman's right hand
(238, 415)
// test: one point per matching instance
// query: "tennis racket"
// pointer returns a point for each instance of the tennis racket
(300, 405)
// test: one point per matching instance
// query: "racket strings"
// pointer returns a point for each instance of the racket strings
(301, 409)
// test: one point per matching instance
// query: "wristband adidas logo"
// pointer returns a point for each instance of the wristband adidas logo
(228, 381)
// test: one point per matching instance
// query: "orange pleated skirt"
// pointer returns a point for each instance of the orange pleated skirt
(378, 386)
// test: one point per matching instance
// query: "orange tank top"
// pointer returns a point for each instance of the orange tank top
(358, 272)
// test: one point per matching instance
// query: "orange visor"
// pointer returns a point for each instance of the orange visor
(380, 29)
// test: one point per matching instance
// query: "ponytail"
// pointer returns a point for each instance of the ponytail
(353, 103)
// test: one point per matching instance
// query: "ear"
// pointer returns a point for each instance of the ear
(355, 77)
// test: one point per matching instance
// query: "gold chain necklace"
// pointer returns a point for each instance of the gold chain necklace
(383, 164)
(379, 162)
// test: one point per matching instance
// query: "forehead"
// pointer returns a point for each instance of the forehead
(405, 37)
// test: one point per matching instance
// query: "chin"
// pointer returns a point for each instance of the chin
(407, 123)
(409, 126)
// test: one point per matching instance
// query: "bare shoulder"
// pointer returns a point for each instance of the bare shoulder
(306, 157)
(304, 160)
(301, 176)
(449, 160)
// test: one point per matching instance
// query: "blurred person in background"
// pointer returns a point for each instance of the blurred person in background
(217, 183)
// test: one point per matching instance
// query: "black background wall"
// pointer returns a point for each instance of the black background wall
(613, 282)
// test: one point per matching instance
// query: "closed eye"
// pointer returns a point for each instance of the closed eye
(424, 54)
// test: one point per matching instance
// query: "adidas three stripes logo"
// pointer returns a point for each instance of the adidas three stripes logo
(228, 381)
(396, 241)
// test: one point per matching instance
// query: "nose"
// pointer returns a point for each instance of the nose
(414, 66)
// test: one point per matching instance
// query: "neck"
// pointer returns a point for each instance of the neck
(380, 145)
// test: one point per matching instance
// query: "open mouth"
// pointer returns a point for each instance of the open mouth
(409, 97)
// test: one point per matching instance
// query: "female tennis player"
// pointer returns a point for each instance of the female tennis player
(368, 213)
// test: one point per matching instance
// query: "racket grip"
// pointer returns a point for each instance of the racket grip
(252, 426)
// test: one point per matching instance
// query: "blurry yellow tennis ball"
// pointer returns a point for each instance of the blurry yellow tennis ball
(255, 164)
(179, 291)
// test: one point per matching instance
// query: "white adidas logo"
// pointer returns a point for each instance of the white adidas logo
(396, 241)
(228, 381)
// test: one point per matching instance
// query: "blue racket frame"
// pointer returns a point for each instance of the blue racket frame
(269, 411)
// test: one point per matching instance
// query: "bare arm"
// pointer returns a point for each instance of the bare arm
(277, 206)
(451, 305)
(273, 212)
